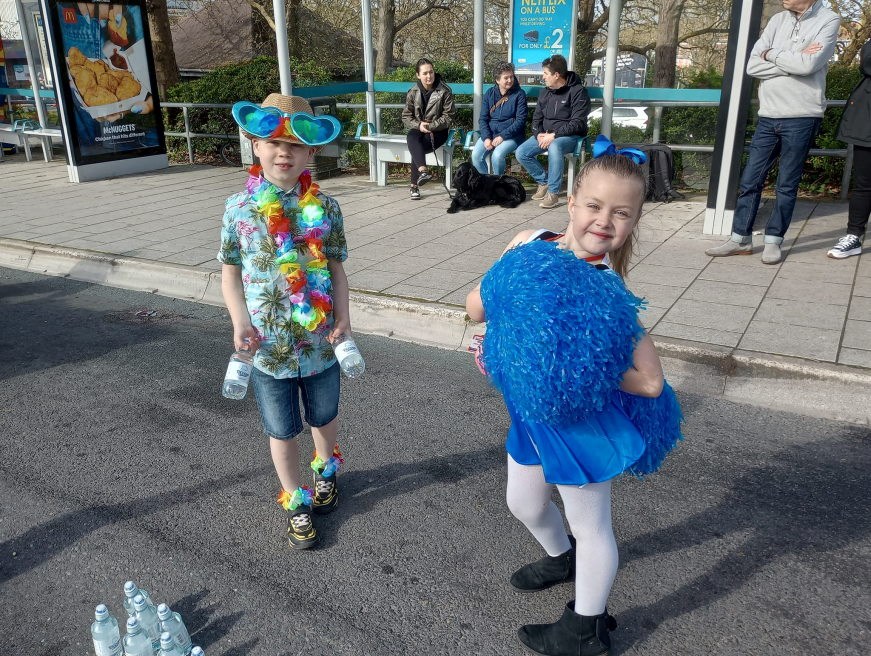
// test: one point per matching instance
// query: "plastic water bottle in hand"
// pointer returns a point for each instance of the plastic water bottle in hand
(104, 631)
(136, 642)
(173, 624)
(148, 620)
(130, 591)
(168, 646)
(238, 374)
(348, 356)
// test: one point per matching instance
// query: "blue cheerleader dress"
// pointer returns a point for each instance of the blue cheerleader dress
(593, 450)
(573, 422)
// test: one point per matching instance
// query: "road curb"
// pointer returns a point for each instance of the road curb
(431, 324)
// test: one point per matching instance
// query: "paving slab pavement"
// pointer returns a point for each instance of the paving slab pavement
(411, 264)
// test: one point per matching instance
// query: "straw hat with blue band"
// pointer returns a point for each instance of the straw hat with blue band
(286, 117)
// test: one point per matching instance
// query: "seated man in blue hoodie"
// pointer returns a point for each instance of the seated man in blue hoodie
(559, 122)
(790, 58)
(502, 123)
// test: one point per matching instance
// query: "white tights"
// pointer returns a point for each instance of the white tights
(588, 512)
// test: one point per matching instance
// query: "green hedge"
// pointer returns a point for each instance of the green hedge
(698, 125)
(252, 80)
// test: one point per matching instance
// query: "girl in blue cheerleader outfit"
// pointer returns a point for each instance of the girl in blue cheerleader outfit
(584, 388)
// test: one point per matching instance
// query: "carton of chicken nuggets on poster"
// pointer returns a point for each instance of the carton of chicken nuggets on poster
(103, 88)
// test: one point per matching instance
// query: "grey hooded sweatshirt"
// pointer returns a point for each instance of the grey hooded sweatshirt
(794, 84)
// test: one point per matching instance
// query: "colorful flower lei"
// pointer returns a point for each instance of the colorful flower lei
(309, 284)
(327, 468)
(301, 496)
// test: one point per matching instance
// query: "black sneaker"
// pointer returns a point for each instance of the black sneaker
(415, 193)
(847, 245)
(326, 496)
(301, 533)
(423, 178)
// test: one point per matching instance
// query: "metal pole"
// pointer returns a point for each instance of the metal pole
(187, 134)
(281, 51)
(478, 67)
(614, 9)
(369, 71)
(657, 124)
(31, 66)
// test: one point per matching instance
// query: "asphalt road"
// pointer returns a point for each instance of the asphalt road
(121, 460)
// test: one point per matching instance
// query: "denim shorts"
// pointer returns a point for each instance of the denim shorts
(278, 400)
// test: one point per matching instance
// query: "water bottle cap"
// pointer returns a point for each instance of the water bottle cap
(130, 588)
(132, 625)
(163, 611)
(139, 602)
(101, 612)
(197, 651)
(166, 640)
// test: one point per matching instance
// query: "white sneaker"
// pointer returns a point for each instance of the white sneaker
(847, 245)
(771, 254)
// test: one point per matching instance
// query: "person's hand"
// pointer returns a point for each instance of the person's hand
(813, 48)
(496, 141)
(424, 127)
(488, 144)
(249, 333)
(341, 326)
(144, 107)
(545, 139)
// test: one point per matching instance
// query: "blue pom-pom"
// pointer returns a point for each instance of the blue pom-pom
(658, 420)
(560, 333)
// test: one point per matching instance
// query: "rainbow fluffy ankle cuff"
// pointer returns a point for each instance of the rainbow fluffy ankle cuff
(301, 496)
(327, 468)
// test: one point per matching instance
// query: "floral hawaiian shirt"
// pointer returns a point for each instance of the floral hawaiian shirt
(287, 349)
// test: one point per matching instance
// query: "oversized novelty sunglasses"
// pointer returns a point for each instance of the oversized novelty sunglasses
(266, 122)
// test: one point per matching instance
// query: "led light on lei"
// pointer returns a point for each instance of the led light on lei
(309, 284)
(301, 496)
(327, 468)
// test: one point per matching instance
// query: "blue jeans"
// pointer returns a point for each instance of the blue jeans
(278, 401)
(497, 155)
(790, 139)
(529, 150)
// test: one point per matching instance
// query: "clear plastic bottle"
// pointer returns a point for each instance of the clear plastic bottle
(168, 645)
(136, 642)
(148, 620)
(104, 631)
(172, 623)
(130, 591)
(197, 651)
(238, 374)
(348, 356)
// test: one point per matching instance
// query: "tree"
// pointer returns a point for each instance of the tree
(855, 25)
(388, 28)
(165, 66)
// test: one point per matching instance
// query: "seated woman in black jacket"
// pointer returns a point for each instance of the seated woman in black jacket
(428, 115)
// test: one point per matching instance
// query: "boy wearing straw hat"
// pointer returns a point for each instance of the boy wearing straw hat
(282, 248)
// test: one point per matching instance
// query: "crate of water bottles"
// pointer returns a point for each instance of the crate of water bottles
(151, 630)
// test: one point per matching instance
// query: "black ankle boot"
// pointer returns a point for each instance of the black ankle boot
(572, 635)
(545, 572)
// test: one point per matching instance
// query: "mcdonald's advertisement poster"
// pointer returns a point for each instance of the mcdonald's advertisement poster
(105, 78)
(540, 29)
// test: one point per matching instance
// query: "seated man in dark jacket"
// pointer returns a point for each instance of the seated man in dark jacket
(559, 122)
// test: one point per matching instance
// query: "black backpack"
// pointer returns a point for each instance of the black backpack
(659, 169)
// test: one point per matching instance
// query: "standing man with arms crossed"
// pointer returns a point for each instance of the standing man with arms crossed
(791, 59)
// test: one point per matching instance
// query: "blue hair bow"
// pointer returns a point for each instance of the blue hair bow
(604, 146)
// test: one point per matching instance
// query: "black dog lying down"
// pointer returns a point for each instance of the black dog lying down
(477, 190)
